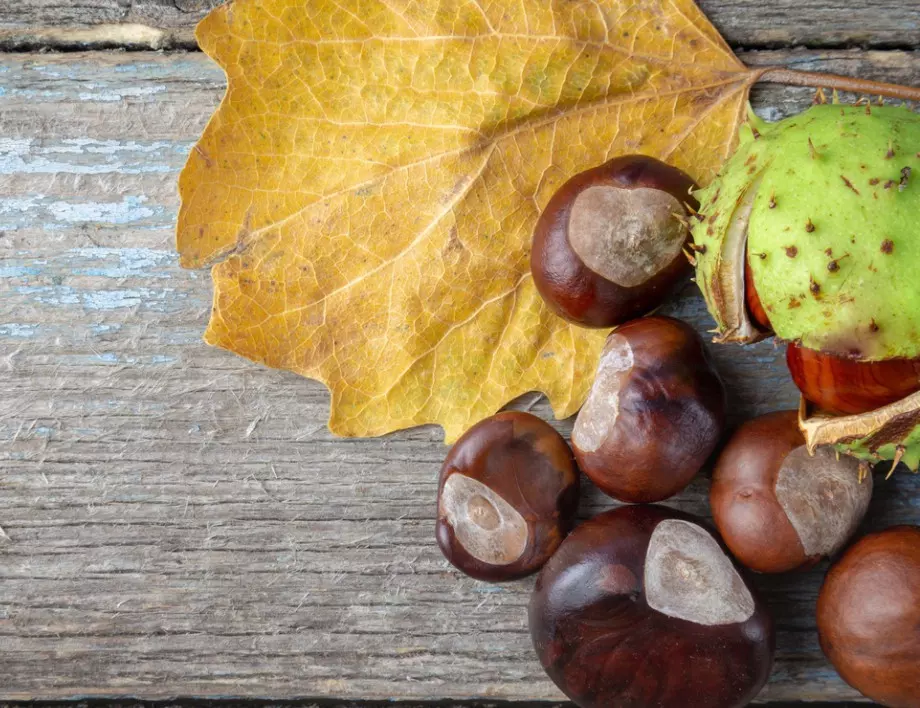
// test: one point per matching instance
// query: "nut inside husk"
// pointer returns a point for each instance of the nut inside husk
(821, 210)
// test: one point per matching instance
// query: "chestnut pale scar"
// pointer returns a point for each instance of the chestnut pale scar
(689, 576)
(487, 526)
(626, 235)
(823, 498)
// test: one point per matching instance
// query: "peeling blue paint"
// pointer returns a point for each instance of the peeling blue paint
(124, 212)
(163, 300)
(117, 264)
(33, 94)
(55, 71)
(19, 331)
(113, 299)
(50, 294)
(115, 359)
(82, 80)
(131, 262)
(54, 215)
(162, 359)
(119, 93)
(69, 156)
(18, 271)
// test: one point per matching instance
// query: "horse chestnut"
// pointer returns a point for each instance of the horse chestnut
(641, 606)
(609, 245)
(779, 508)
(507, 496)
(842, 384)
(654, 414)
(847, 385)
(756, 312)
(869, 616)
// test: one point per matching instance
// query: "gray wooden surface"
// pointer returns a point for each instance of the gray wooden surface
(178, 521)
(892, 24)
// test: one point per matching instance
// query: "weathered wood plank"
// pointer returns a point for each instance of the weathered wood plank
(314, 703)
(156, 24)
(335, 703)
(179, 521)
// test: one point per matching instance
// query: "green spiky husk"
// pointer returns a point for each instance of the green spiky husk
(833, 233)
(826, 208)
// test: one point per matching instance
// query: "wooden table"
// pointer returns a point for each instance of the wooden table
(177, 521)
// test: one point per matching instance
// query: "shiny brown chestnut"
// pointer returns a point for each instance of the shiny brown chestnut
(848, 386)
(755, 307)
(642, 606)
(779, 508)
(834, 382)
(654, 414)
(608, 247)
(507, 496)
(869, 616)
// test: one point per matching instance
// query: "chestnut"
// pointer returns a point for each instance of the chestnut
(507, 496)
(843, 384)
(847, 385)
(869, 616)
(609, 245)
(654, 414)
(642, 606)
(779, 508)
(756, 312)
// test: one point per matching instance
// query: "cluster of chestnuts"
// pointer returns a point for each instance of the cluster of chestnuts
(644, 605)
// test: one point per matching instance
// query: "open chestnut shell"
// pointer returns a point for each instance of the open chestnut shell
(642, 606)
(608, 247)
(779, 508)
(869, 616)
(837, 383)
(507, 496)
(654, 414)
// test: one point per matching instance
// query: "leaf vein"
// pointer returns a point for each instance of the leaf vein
(518, 129)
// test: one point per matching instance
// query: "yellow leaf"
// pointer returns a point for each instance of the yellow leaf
(373, 175)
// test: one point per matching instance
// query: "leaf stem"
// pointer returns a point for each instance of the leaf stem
(792, 77)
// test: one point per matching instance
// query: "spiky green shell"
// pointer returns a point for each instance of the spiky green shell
(889, 433)
(720, 233)
(827, 204)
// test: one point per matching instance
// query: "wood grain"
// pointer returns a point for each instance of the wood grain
(334, 703)
(158, 24)
(177, 521)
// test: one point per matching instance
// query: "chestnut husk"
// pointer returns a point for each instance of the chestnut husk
(891, 433)
(832, 282)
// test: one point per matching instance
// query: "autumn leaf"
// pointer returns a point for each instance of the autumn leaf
(370, 183)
